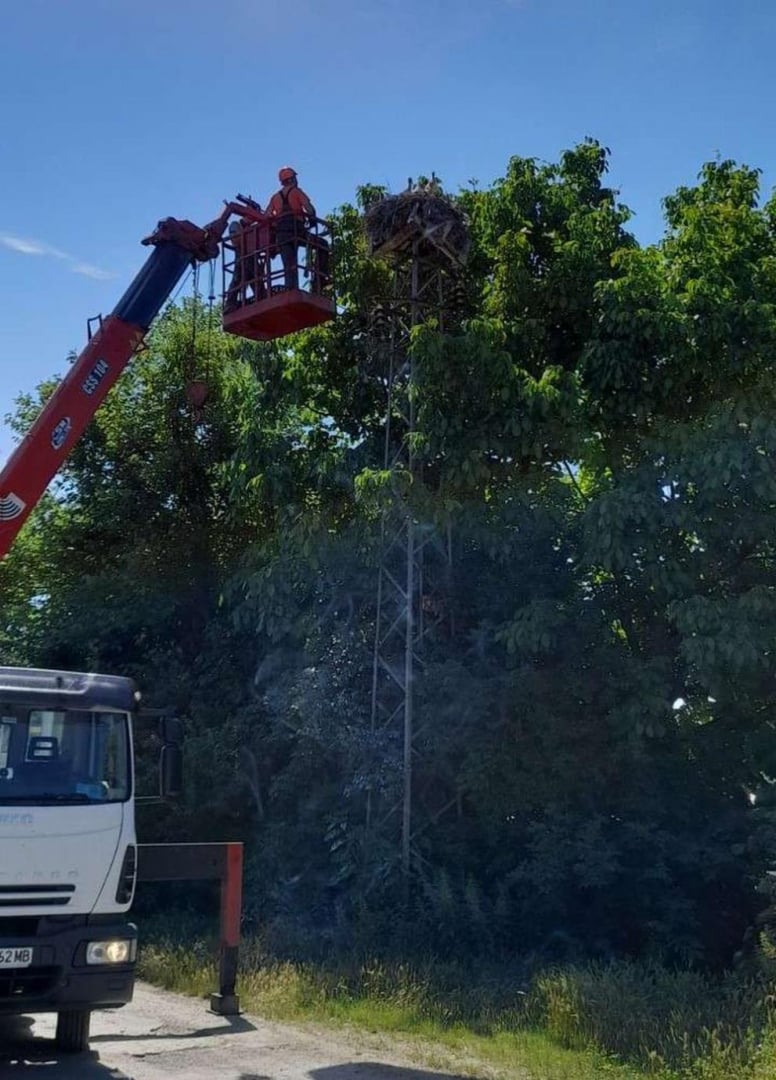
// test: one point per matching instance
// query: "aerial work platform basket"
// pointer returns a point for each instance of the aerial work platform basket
(276, 280)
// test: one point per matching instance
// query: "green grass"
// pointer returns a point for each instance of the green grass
(617, 1022)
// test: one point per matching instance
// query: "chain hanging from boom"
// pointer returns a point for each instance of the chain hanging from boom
(197, 388)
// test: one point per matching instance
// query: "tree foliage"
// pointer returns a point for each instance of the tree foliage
(593, 769)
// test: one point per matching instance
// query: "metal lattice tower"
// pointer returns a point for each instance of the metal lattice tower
(424, 285)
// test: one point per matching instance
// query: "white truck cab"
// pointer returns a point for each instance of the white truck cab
(68, 850)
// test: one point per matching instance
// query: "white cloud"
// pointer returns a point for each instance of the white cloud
(25, 246)
(30, 247)
(92, 271)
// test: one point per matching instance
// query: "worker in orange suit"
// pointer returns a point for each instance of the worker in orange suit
(293, 213)
(251, 245)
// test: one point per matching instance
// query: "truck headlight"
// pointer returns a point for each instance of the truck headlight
(121, 951)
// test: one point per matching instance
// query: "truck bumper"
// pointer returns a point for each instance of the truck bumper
(59, 978)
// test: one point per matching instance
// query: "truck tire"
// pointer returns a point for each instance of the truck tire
(72, 1035)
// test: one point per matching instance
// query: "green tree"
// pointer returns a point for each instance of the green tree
(595, 432)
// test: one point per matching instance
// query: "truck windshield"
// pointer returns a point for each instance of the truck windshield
(62, 756)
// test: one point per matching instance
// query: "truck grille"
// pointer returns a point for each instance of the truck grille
(28, 982)
(35, 895)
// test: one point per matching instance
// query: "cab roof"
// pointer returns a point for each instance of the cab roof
(66, 689)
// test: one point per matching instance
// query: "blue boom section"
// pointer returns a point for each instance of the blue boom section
(162, 271)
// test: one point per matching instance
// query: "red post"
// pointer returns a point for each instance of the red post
(226, 1001)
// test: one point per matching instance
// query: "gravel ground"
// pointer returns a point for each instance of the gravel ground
(164, 1035)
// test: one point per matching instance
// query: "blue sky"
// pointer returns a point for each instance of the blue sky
(115, 113)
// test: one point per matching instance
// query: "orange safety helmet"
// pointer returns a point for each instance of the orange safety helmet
(286, 173)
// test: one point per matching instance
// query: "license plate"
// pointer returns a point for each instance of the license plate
(15, 958)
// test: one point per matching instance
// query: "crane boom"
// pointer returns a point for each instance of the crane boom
(65, 416)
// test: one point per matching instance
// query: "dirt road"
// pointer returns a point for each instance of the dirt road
(163, 1035)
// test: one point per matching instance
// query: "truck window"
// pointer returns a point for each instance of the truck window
(65, 755)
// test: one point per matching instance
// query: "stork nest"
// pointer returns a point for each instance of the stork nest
(425, 215)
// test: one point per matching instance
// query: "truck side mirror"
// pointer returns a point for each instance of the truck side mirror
(171, 771)
(172, 730)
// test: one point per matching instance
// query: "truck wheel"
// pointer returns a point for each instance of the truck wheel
(72, 1035)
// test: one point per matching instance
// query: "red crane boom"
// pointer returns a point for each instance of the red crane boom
(65, 416)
